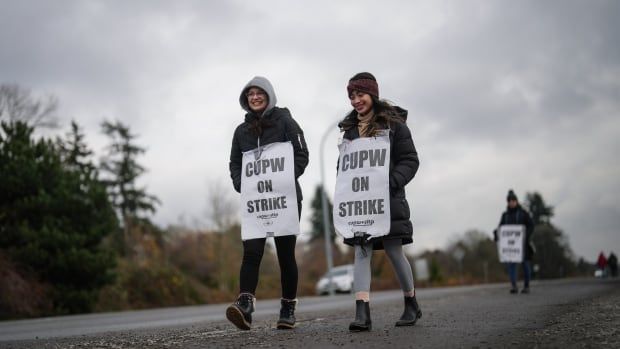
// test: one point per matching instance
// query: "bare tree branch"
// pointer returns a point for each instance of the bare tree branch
(17, 104)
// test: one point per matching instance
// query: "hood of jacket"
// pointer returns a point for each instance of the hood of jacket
(265, 85)
(401, 112)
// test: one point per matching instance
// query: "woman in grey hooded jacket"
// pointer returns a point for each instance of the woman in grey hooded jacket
(265, 124)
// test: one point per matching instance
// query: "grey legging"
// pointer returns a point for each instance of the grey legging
(394, 250)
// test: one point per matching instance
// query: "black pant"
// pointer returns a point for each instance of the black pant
(253, 254)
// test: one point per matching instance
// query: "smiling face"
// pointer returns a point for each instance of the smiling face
(361, 102)
(257, 99)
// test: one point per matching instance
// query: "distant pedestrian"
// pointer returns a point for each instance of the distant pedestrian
(601, 263)
(267, 129)
(517, 215)
(376, 125)
(612, 262)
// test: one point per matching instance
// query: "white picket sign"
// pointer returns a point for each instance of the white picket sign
(511, 243)
(268, 195)
(362, 196)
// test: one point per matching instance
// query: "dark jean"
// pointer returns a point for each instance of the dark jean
(512, 271)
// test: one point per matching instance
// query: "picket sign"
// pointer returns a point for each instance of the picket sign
(511, 243)
(362, 196)
(268, 194)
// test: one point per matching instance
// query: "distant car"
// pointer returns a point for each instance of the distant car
(342, 279)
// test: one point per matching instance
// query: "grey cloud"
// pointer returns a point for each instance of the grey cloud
(544, 52)
(485, 83)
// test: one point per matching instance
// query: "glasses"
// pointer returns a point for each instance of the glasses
(255, 94)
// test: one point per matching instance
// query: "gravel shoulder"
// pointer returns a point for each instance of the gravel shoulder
(592, 323)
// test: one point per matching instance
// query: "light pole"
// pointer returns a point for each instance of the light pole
(326, 226)
(459, 253)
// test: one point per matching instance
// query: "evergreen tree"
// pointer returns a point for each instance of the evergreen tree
(123, 169)
(316, 219)
(541, 213)
(53, 218)
(553, 253)
(75, 153)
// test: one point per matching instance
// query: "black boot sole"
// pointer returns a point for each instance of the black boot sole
(359, 328)
(401, 323)
(405, 323)
(235, 316)
(285, 326)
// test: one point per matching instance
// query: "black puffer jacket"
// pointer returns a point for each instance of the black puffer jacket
(276, 125)
(404, 164)
(281, 128)
(518, 215)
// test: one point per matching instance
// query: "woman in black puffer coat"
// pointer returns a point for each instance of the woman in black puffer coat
(265, 123)
(369, 116)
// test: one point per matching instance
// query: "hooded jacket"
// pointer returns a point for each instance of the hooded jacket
(276, 125)
(404, 164)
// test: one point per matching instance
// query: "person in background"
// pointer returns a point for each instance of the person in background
(601, 263)
(612, 262)
(515, 214)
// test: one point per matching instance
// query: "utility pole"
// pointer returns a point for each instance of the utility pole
(326, 226)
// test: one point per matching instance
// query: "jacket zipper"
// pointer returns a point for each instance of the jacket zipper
(299, 139)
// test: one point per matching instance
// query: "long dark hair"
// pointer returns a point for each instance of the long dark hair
(258, 124)
(258, 121)
(384, 115)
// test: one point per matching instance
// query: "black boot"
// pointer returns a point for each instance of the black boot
(362, 317)
(240, 312)
(411, 314)
(287, 314)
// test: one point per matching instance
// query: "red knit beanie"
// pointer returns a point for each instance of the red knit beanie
(363, 82)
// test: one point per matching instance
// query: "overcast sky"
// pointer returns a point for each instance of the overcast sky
(501, 94)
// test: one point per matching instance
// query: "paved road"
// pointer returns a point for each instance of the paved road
(473, 316)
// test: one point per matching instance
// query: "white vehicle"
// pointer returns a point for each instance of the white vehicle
(342, 280)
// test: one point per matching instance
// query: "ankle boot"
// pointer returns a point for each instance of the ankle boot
(287, 314)
(411, 314)
(362, 317)
(240, 312)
